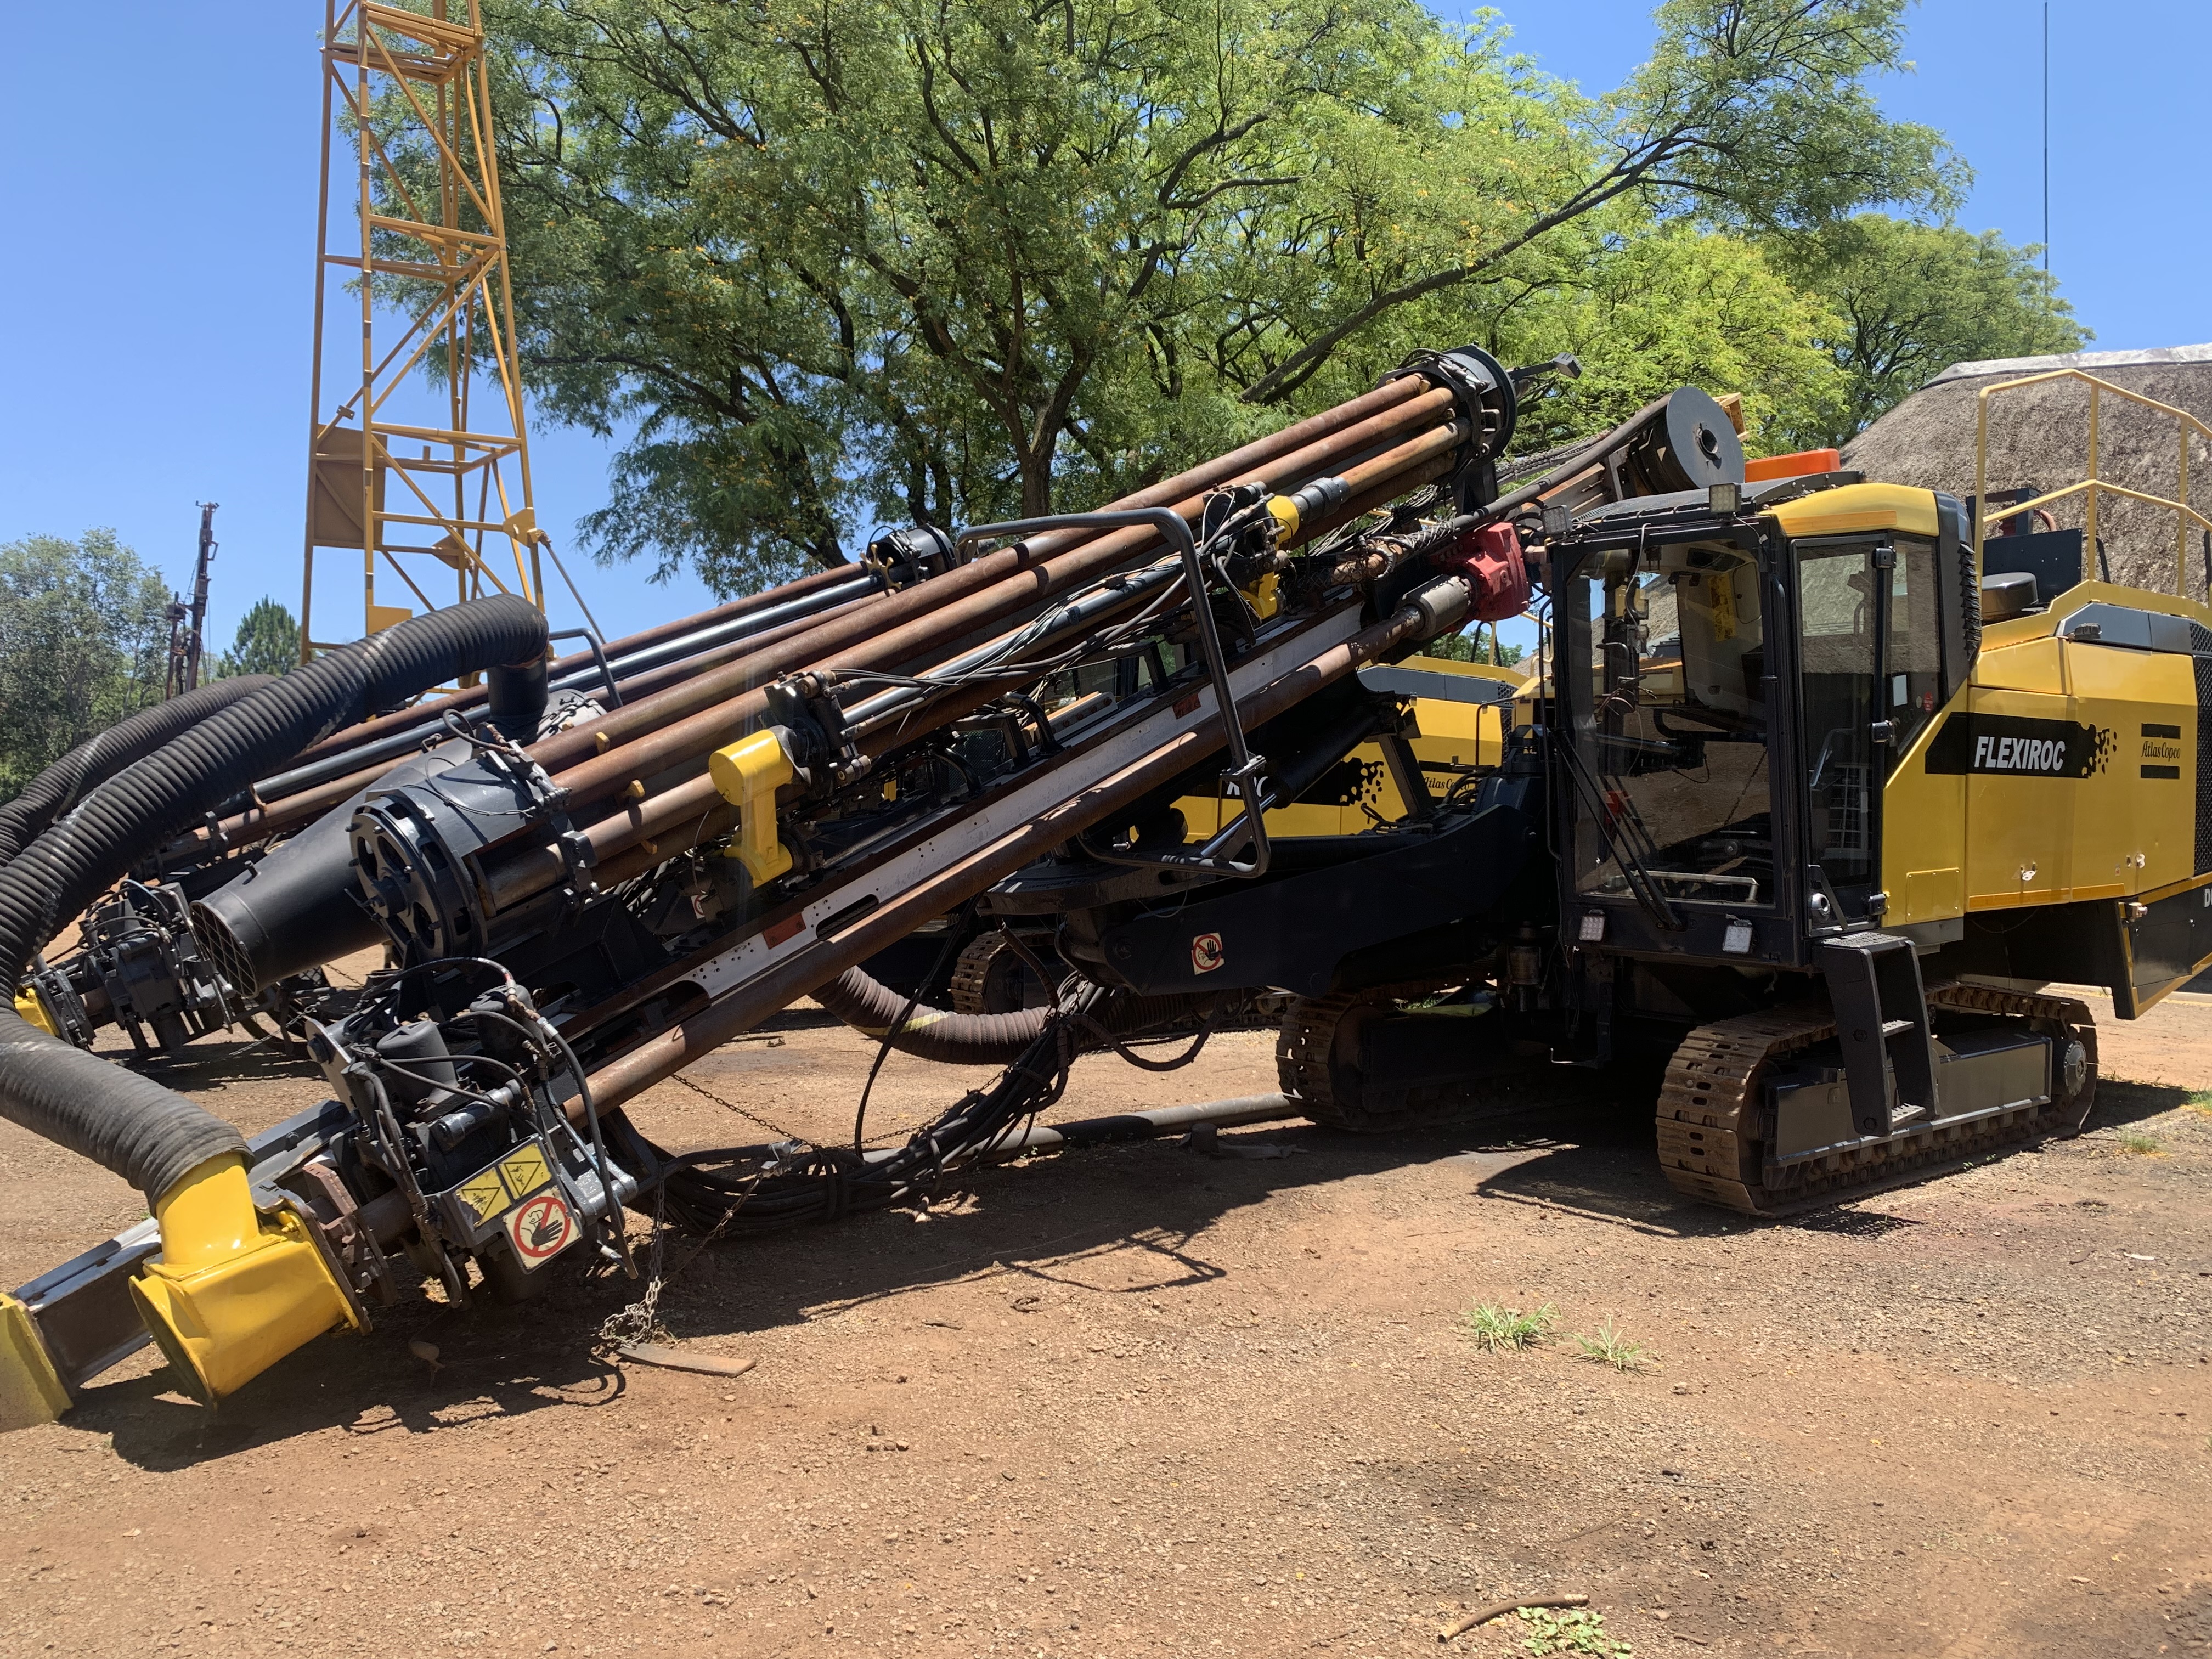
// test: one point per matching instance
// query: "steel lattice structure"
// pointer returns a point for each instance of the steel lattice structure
(407, 108)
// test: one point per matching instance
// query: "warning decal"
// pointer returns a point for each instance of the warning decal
(540, 1228)
(1205, 953)
(524, 1170)
(483, 1194)
(492, 1191)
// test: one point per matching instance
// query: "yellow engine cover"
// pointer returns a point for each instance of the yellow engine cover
(2066, 770)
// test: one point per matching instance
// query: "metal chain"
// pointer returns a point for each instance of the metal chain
(776, 1129)
(641, 1318)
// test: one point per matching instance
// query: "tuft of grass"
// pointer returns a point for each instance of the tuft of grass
(1570, 1629)
(1610, 1346)
(2200, 1100)
(1500, 1330)
(2142, 1145)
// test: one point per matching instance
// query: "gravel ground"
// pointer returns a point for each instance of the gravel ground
(1142, 1402)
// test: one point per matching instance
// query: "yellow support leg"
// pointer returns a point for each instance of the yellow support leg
(31, 1390)
(747, 775)
(234, 1289)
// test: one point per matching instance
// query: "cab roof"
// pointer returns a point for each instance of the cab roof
(1857, 506)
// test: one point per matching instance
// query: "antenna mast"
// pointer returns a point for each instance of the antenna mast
(184, 652)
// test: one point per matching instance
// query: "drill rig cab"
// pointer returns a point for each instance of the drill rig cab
(1721, 775)
(1758, 710)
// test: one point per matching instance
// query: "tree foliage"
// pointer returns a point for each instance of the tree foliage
(1478, 644)
(1910, 300)
(83, 642)
(949, 260)
(267, 642)
(1672, 307)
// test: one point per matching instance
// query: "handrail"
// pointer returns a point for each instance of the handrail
(2092, 486)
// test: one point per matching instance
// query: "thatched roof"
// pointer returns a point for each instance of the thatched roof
(2038, 439)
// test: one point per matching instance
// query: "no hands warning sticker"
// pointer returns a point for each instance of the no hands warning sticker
(540, 1228)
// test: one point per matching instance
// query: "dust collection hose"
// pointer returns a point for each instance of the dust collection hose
(97, 759)
(232, 1291)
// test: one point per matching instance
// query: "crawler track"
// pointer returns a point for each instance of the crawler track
(1325, 1084)
(1714, 1128)
(1317, 1054)
(983, 960)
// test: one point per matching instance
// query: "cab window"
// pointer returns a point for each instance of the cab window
(1913, 663)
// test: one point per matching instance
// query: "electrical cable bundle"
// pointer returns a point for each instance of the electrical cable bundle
(765, 1188)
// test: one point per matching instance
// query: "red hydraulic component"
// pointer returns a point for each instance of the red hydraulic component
(1489, 560)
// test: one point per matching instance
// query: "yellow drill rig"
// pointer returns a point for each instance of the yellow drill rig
(1804, 804)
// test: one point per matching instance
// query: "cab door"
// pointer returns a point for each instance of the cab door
(1843, 594)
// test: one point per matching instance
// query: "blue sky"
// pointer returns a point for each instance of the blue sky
(158, 176)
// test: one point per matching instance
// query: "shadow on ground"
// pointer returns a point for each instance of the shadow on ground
(205, 1064)
(1044, 1219)
(2122, 1103)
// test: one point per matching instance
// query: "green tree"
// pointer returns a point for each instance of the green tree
(1910, 300)
(83, 642)
(1476, 645)
(1664, 304)
(953, 260)
(1752, 115)
(267, 642)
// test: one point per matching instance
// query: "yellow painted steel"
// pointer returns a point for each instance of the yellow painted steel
(1285, 512)
(747, 775)
(1265, 596)
(426, 451)
(31, 1390)
(1983, 840)
(1856, 507)
(31, 1012)
(234, 1289)
(2084, 594)
(1447, 733)
(1923, 839)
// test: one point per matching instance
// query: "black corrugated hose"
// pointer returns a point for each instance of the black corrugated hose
(97, 759)
(128, 1123)
(867, 1004)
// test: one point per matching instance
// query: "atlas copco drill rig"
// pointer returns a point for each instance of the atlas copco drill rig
(1656, 853)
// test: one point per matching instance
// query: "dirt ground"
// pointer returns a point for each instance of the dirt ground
(1141, 1401)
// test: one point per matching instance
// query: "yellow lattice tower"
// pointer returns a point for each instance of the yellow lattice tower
(407, 110)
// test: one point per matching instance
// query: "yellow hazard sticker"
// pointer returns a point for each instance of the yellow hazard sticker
(492, 1192)
(523, 1170)
(484, 1194)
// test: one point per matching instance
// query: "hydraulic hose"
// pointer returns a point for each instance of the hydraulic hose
(871, 1008)
(126, 1122)
(97, 759)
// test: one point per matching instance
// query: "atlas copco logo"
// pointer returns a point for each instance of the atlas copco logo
(2014, 746)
